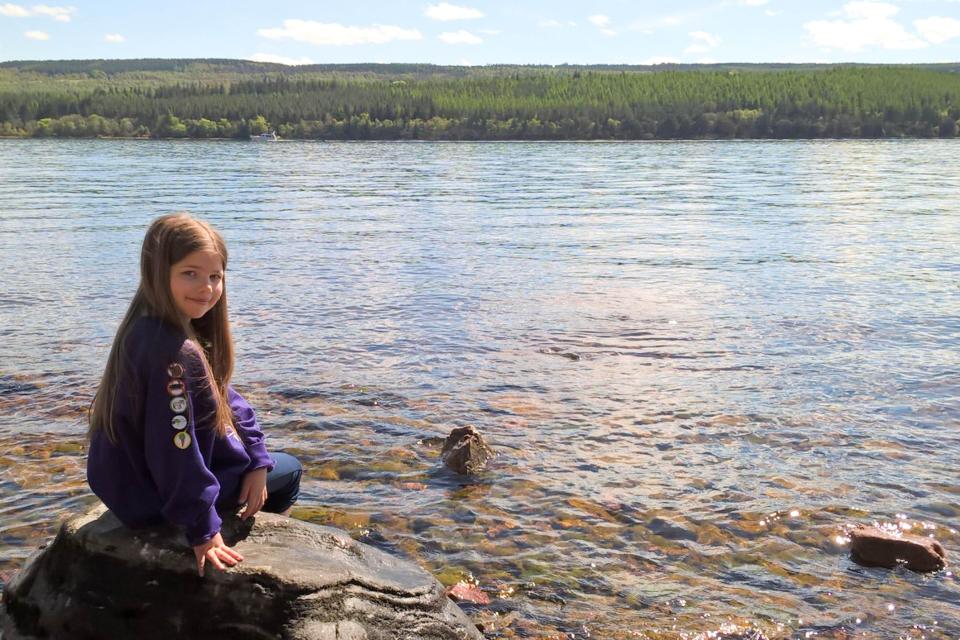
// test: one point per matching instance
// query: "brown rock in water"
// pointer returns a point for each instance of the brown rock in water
(873, 547)
(465, 451)
(299, 581)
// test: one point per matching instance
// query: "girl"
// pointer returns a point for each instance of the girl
(170, 439)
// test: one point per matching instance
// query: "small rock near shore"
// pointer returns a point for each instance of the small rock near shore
(465, 451)
(873, 547)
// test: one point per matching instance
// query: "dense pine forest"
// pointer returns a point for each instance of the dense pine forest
(236, 99)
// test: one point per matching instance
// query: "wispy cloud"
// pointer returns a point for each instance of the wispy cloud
(14, 11)
(660, 60)
(936, 29)
(599, 20)
(270, 57)
(603, 23)
(459, 37)
(60, 14)
(863, 24)
(446, 12)
(36, 35)
(702, 42)
(556, 24)
(332, 33)
(114, 37)
(676, 19)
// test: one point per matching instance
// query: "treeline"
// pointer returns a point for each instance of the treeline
(230, 99)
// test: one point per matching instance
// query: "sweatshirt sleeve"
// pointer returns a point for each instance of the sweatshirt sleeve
(249, 430)
(188, 489)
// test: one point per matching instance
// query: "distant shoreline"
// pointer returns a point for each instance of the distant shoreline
(227, 99)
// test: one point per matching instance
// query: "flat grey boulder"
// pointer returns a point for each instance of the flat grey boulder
(299, 581)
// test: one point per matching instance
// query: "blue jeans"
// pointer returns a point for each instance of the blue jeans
(283, 483)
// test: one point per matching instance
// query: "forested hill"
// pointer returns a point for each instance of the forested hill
(236, 98)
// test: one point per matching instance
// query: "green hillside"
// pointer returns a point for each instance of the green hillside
(235, 98)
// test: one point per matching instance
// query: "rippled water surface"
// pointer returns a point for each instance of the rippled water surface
(698, 362)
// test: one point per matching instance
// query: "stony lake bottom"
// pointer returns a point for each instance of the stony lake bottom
(699, 363)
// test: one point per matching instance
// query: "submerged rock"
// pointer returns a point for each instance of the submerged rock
(465, 451)
(299, 581)
(873, 547)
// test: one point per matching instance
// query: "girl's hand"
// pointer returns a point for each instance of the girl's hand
(218, 553)
(253, 492)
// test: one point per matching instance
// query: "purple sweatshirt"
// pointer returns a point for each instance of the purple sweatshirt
(169, 465)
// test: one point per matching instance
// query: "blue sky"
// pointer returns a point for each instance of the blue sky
(488, 31)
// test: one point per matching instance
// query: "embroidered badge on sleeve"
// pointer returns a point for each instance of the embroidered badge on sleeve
(182, 440)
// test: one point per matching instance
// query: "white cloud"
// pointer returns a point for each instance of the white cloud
(702, 42)
(490, 32)
(556, 24)
(706, 61)
(61, 14)
(599, 20)
(459, 37)
(936, 29)
(114, 37)
(603, 22)
(870, 10)
(445, 12)
(708, 39)
(270, 57)
(36, 35)
(754, 3)
(771, 12)
(865, 24)
(14, 10)
(660, 60)
(324, 33)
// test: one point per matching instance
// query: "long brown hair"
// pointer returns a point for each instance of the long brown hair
(169, 240)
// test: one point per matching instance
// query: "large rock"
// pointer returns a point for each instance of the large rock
(465, 451)
(875, 547)
(98, 579)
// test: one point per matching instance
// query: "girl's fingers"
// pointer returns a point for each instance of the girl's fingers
(200, 563)
(236, 555)
(212, 556)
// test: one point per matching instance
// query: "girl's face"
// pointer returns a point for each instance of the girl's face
(196, 283)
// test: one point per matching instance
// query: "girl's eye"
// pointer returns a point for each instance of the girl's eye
(217, 277)
(190, 273)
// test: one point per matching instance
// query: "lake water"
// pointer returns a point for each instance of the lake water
(699, 363)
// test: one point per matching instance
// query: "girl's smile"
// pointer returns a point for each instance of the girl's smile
(196, 283)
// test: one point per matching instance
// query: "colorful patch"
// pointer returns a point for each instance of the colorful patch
(178, 405)
(179, 422)
(182, 440)
(176, 387)
(175, 370)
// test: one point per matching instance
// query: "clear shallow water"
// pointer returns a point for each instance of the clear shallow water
(698, 362)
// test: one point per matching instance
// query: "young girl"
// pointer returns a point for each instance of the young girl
(170, 439)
